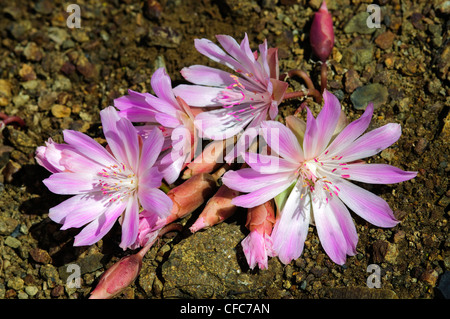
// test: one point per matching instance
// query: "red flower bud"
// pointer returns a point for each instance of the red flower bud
(322, 34)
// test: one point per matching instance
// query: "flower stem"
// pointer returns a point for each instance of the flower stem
(11, 119)
(323, 77)
(312, 91)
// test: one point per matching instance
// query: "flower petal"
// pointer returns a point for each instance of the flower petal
(371, 143)
(367, 205)
(89, 147)
(130, 223)
(377, 173)
(327, 120)
(100, 226)
(351, 132)
(291, 229)
(151, 149)
(79, 210)
(310, 140)
(66, 183)
(282, 141)
(247, 180)
(336, 230)
(261, 195)
(162, 86)
(198, 95)
(268, 164)
(220, 124)
(155, 201)
(122, 138)
(215, 53)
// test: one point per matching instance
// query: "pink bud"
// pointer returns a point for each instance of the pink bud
(257, 246)
(209, 160)
(218, 208)
(322, 34)
(188, 196)
(118, 277)
(125, 271)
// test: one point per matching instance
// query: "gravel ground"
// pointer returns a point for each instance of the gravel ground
(56, 78)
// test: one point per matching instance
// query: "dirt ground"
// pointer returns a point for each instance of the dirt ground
(56, 78)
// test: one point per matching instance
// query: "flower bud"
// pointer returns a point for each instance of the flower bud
(322, 34)
(218, 208)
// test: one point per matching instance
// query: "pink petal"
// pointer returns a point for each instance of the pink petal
(151, 149)
(255, 247)
(351, 132)
(89, 147)
(155, 201)
(327, 120)
(232, 47)
(215, 53)
(371, 143)
(310, 140)
(282, 141)
(291, 229)
(197, 95)
(162, 86)
(100, 226)
(66, 183)
(261, 195)
(130, 140)
(220, 124)
(126, 151)
(79, 210)
(377, 173)
(268, 164)
(205, 75)
(134, 107)
(130, 223)
(367, 205)
(335, 228)
(150, 178)
(247, 180)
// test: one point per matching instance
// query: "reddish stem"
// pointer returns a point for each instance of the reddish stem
(312, 91)
(11, 119)
(323, 77)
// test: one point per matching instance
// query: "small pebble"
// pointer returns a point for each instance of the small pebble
(12, 242)
(375, 93)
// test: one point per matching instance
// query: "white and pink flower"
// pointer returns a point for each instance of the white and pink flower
(309, 178)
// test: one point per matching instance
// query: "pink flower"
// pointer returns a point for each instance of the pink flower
(172, 115)
(108, 185)
(322, 34)
(257, 245)
(310, 179)
(237, 102)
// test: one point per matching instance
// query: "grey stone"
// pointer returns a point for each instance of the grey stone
(375, 93)
(358, 24)
(210, 264)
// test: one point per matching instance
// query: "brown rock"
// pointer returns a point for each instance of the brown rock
(40, 256)
(60, 111)
(360, 293)
(57, 291)
(430, 277)
(379, 250)
(33, 52)
(27, 73)
(385, 40)
(352, 81)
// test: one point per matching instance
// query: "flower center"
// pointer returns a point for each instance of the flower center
(117, 182)
(316, 182)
